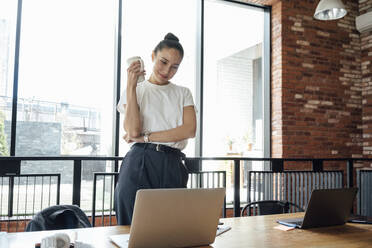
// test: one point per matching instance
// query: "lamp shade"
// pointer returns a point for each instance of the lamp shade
(330, 10)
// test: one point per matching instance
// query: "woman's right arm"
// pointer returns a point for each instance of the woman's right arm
(132, 120)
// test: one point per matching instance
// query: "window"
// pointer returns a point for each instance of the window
(232, 80)
(8, 22)
(65, 87)
(144, 28)
(233, 123)
(65, 93)
(66, 71)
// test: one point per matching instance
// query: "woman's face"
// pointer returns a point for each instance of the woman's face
(166, 63)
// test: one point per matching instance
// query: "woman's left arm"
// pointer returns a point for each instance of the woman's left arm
(185, 131)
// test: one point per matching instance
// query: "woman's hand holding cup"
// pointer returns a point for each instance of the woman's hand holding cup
(136, 72)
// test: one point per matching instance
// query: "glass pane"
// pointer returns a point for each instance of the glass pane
(66, 78)
(140, 36)
(64, 168)
(8, 22)
(87, 177)
(233, 86)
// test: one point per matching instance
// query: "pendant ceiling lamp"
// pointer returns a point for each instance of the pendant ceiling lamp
(330, 10)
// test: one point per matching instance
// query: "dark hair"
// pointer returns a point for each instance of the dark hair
(170, 41)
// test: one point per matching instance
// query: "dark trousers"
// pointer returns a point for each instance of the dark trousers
(145, 168)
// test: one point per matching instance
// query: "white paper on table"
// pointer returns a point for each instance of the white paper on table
(4, 240)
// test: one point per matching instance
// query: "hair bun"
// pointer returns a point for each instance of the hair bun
(171, 36)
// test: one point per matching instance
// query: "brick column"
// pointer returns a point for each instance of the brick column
(366, 69)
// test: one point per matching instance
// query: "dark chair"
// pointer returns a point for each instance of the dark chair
(269, 207)
(58, 217)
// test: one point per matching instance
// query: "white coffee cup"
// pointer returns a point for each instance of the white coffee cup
(58, 240)
(137, 58)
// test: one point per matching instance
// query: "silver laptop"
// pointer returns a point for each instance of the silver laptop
(173, 218)
(327, 207)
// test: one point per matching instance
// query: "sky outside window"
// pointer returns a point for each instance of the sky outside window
(67, 56)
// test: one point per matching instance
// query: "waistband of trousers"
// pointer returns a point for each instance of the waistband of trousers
(161, 148)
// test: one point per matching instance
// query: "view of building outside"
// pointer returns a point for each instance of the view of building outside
(66, 100)
(232, 94)
(8, 18)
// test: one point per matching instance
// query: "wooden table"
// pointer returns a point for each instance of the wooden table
(255, 231)
(259, 231)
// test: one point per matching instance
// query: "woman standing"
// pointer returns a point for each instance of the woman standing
(159, 119)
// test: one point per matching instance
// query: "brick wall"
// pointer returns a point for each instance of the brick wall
(366, 69)
(321, 83)
(319, 72)
(365, 6)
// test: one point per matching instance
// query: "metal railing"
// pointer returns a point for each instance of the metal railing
(292, 186)
(277, 165)
(24, 195)
(364, 183)
(105, 203)
(272, 164)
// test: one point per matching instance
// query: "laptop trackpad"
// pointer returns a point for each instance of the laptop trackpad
(120, 240)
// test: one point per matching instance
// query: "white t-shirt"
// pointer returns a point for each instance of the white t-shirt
(161, 107)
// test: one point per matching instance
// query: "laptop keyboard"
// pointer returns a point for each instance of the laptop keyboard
(299, 223)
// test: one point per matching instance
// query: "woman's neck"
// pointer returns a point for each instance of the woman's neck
(153, 81)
